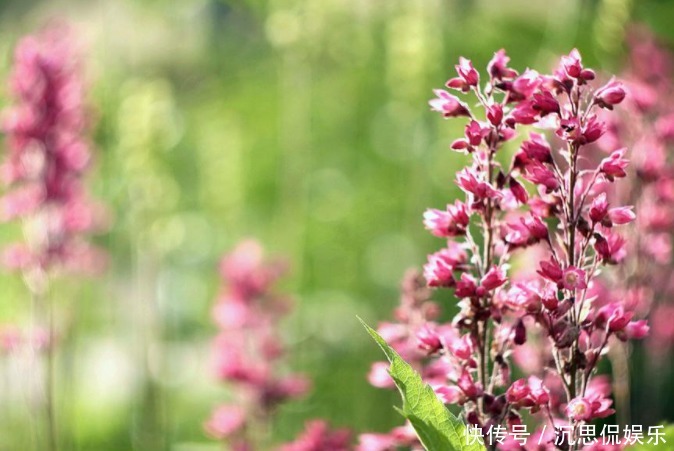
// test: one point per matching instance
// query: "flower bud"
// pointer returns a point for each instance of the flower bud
(614, 165)
(494, 278)
(467, 72)
(498, 66)
(572, 64)
(519, 333)
(610, 94)
(636, 330)
(429, 339)
(599, 208)
(518, 191)
(495, 114)
(621, 215)
(448, 105)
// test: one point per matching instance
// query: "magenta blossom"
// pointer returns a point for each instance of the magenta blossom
(610, 94)
(248, 350)
(48, 155)
(525, 248)
(573, 279)
(451, 222)
(448, 105)
(318, 437)
(614, 165)
(225, 421)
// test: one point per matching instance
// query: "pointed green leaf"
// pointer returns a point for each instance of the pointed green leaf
(437, 428)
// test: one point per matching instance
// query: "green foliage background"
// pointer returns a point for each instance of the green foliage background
(301, 123)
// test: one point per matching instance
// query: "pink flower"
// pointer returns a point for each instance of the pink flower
(537, 173)
(636, 330)
(572, 64)
(318, 437)
(610, 247)
(474, 134)
(536, 148)
(466, 383)
(495, 114)
(466, 71)
(610, 94)
(574, 279)
(613, 316)
(468, 76)
(466, 286)
(570, 130)
(48, 150)
(579, 409)
(621, 215)
(551, 270)
(11, 338)
(225, 421)
(18, 256)
(523, 113)
(470, 183)
(448, 105)
(518, 191)
(494, 278)
(614, 165)
(519, 335)
(518, 391)
(246, 270)
(619, 319)
(376, 442)
(540, 395)
(545, 103)
(439, 271)
(599, 208)
(247, 350)
(581, 134)
(529, 230)
(595, 403)
(498, 66)
(567, 208)
(529, 393)
(525, 295)
(428, 339)
(450, 394)
(527, 83)
(231, 311)
(293, 386)
(21, 202)
(461, 348)
(438, 222)
(379, 376)
(452, 222)
(593, 130)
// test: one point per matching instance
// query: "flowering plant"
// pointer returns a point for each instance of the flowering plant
(48, 155)
(248, 352)
(549, 204)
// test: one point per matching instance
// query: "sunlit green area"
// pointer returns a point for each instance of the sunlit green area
(302, 123)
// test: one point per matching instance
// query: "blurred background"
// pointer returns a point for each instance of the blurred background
(302, 123)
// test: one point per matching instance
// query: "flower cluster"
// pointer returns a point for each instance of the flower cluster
(48, 155)
(552, 206)
(646, 128)
(248, 352)
(318, 437)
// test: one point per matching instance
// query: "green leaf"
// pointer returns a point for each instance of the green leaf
(437, 428)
